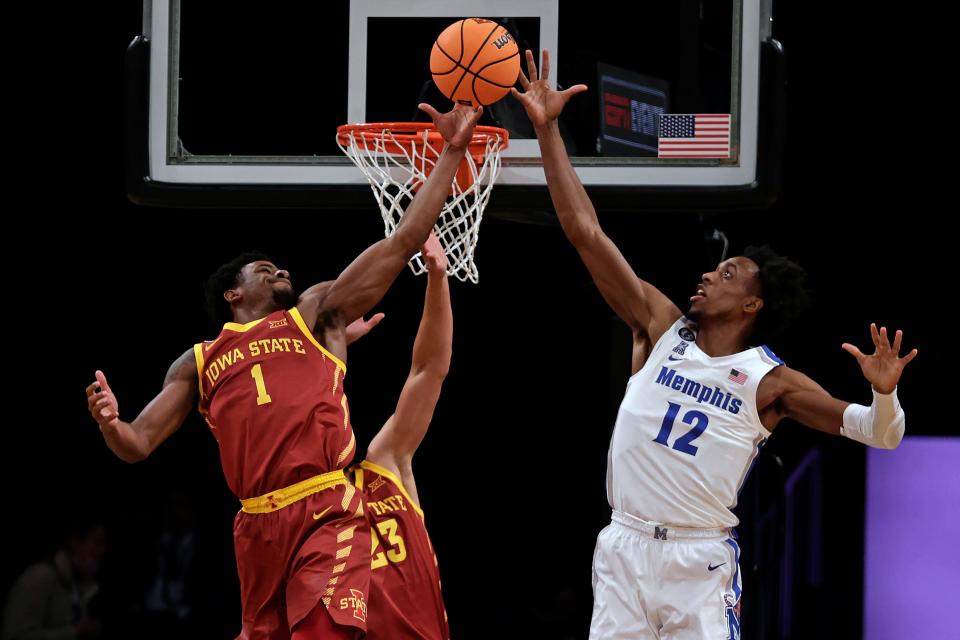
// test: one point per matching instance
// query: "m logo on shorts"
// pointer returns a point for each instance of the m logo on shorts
(357, 602)
(660, 533)
(733, 616)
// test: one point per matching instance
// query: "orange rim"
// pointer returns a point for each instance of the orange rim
(406, 136)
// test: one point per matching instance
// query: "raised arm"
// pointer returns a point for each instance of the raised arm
(643, 307)
(790, 394)
(364, 282)
(134, 441)
(393, 447)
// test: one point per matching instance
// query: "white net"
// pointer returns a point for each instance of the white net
(396, 163)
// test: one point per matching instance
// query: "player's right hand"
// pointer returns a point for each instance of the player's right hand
(102, 403)
(543, 104)
(456, 126)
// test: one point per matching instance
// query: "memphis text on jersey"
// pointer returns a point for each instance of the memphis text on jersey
(700, 392)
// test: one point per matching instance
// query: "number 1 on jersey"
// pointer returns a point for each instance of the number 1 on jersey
(262, 396)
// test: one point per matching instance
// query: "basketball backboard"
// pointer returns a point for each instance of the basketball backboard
(235, 103)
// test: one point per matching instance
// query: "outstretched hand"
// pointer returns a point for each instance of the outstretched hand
(456, 126)
(543, 104)
(884, 366)
(360, 327)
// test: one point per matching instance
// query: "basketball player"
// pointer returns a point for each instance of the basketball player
(405, 598)
(698, 406)
(270, 387)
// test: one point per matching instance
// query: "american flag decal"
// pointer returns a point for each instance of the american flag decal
(694, 135)
(737, 376)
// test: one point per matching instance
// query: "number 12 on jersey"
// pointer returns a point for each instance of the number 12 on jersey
(697, 419)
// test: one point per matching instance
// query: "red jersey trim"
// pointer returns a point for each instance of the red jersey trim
(366, 464)
(298, 319)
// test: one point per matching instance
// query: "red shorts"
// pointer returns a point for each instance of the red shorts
(316, 549)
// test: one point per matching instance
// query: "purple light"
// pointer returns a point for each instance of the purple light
(912, 566)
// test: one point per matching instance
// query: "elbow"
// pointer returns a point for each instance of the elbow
(582, 235)
(131, 457)
(435, 371)
(406, 241)
(438, 372)
(137, 452)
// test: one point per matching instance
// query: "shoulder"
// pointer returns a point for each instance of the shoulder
(663, 313)
(310, 302)
(672, 326)
(184, 367)
(315, 294)
(782, 380)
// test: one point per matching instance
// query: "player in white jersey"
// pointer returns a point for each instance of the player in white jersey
(698, 406)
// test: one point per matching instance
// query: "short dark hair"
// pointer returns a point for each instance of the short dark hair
(783, 289)
(225, 277)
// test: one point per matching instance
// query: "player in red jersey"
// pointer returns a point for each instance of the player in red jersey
(405, 598)
(271, 389)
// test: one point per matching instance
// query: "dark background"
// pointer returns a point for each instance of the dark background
(511, 475)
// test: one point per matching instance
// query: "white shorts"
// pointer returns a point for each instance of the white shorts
(665, 583)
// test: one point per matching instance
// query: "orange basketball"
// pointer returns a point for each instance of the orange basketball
(475, 62)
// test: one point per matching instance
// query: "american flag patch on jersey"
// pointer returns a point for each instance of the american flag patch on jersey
(737, 376)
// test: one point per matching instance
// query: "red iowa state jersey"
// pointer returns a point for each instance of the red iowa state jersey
(405, 602)
(273, 398)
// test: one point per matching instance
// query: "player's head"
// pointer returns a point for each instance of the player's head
(251, 280)
(761, 288)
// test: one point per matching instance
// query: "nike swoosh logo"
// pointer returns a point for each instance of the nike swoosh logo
(710, 567)
(207, 347)
(317, 516)
(672, 358)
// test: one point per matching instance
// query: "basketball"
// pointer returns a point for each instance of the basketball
(475, 61)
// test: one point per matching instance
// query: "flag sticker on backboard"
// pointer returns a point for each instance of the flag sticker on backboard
(694, 135)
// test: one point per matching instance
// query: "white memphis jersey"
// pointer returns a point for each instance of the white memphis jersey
(687, 432)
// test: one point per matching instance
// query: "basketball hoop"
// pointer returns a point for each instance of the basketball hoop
(397, 158)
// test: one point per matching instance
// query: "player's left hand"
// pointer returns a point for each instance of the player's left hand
(456, 126)
(543, 104)
(360, 327)
(434, 256)
(884, 367)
